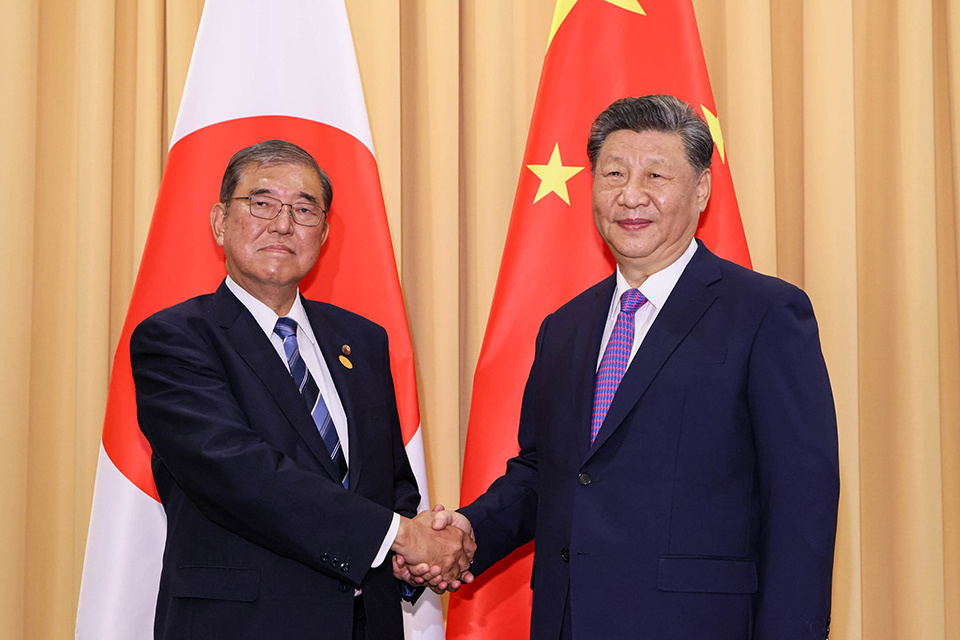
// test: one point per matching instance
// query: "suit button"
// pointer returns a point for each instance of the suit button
(584, 478)
(344, 587)
(335, 562)
(345, 567)
(324, 558)
(565, 554)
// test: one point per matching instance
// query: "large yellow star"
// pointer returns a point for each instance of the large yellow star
(714, 123)
(564, 7)
(553, 176)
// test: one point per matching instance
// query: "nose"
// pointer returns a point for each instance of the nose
(283, 223)
(633, 194)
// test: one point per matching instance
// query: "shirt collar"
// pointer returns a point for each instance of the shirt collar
(657, 287)
(265, 316)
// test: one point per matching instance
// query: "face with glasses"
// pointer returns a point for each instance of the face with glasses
(271, 230)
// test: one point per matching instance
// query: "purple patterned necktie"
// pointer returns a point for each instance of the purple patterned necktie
(615, 358)
(287, 330)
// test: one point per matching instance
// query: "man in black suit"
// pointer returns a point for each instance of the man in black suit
(678, 442)
(282, 471)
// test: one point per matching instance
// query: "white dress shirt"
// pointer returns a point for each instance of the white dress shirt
(317, 366)
(656, 289)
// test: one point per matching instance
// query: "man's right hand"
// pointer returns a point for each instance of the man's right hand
(429, 551)
(430, 575)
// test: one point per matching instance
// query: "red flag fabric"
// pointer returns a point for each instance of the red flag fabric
(599, 51)
(285, 69)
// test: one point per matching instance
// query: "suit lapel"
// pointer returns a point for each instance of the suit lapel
(586, 352)
(250, 343)
(689, 300)
(331, 338)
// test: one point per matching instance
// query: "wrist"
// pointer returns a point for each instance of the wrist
(403, 534)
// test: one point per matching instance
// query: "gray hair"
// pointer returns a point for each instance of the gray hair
(267, 153)
(654, 113)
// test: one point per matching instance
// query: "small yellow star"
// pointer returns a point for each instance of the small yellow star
(553, 176)
(714, 123)
(564, 7)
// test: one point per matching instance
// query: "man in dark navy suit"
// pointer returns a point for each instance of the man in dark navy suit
(281, 470)
(678, 443)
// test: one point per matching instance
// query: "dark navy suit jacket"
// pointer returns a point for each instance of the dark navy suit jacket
(707, 507)
(262, 541)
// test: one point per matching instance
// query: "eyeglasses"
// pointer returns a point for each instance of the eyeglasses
(308, 214)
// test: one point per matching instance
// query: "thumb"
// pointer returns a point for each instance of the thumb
(441, 520)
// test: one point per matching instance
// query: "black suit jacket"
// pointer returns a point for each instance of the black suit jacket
(707, 506)
(262, 541)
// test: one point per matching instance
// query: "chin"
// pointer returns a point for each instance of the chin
(634, 252)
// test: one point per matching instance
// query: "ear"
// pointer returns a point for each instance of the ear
(325, 232)
(218, 215)
(703, 189)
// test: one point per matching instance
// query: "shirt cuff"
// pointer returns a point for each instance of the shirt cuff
(407, 592)
(387, 541)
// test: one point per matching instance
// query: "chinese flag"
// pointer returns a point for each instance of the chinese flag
(284, 69)
(599, 51)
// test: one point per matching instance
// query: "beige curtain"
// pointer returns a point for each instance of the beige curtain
(842, 122)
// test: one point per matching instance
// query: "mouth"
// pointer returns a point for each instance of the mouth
(634, 224)
(276, 248)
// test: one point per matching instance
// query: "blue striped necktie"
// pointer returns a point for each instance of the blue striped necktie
(287, 330)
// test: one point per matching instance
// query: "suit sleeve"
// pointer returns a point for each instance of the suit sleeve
(795, 434)
(406, 493)
(188, 412)
(505, 516)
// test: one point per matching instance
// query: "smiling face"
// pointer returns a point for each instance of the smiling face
(647, 200)
(269, 258)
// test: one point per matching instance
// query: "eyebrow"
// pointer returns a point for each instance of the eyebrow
(656, 159)
(303, 195)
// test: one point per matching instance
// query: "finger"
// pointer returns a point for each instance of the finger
(432, 575)
(424, 570)
(441, 520)
(437, 507)
(419, 569)
(401, 573)
(452, 572)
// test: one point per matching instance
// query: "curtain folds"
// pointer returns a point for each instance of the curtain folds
(842, 123)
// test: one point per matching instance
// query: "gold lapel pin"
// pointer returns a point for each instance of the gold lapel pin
(343, 359)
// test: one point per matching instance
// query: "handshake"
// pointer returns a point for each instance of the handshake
(434, 549)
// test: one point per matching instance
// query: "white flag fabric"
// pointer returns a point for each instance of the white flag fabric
(260, 70)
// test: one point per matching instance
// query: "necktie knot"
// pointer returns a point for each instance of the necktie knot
(630, 301)
(285, 327)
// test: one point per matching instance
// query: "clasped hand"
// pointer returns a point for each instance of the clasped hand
(430, 552)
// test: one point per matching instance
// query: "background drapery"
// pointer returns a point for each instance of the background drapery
(841, 120)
